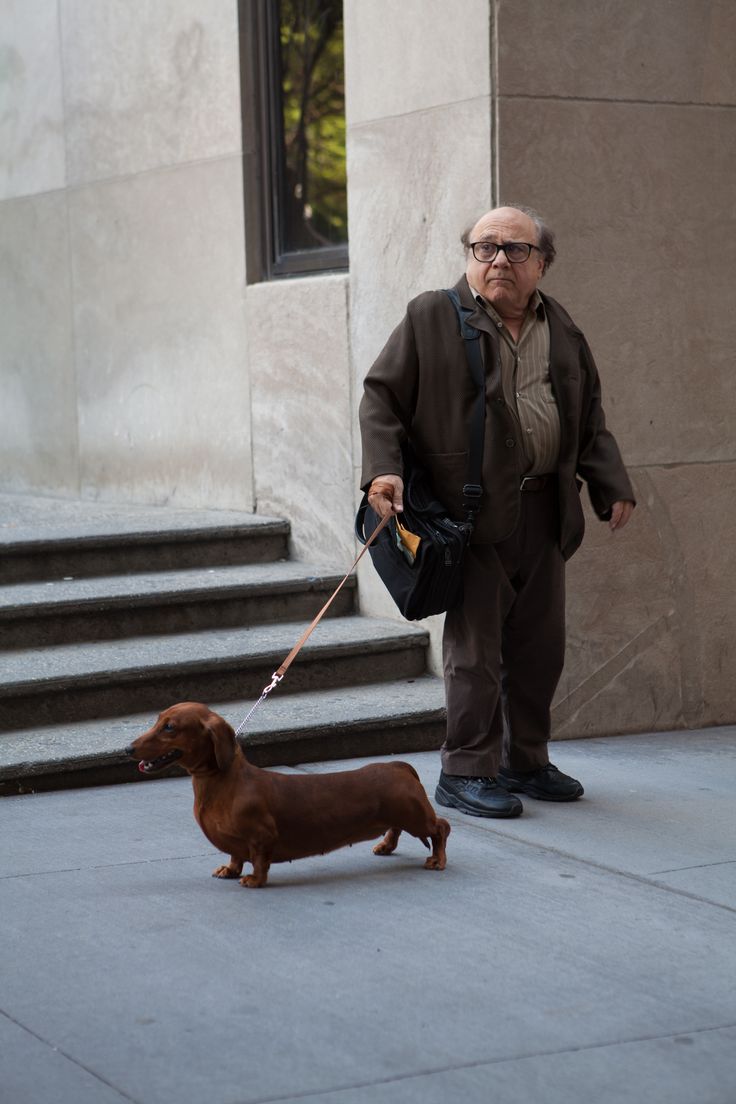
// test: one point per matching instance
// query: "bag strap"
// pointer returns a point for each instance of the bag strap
(473, 489)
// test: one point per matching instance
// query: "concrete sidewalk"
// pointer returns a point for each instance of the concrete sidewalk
(583, 952)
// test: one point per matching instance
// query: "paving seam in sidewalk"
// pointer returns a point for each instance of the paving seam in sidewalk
(111, 866)
(698, 866)
(70, 1058)
(320, 1094)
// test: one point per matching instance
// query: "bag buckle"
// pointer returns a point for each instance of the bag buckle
(472, 493)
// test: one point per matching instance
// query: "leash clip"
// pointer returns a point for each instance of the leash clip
(275, 680)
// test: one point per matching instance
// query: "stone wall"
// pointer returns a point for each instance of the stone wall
(122, 327)
(301, 402)
(617, 121)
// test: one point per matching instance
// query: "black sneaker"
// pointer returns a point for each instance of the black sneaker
(477, 796)
(546, 783)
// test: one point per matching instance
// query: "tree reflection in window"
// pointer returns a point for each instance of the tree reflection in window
(313, 196)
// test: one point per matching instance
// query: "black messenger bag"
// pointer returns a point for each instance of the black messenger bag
(419, 554)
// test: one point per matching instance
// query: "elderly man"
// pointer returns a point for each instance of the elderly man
(545, 431)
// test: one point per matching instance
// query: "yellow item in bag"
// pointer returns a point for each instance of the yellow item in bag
(409, 542)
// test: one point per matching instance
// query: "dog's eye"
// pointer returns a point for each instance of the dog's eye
(168, 727)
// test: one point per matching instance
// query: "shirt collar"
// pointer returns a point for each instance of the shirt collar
(536, 304)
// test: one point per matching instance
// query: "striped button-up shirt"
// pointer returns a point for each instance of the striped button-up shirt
(526, 385)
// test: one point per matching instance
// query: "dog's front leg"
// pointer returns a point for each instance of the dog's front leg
(230, 870)
(261, 863)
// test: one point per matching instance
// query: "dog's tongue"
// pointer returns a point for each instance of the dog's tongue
(142, 766)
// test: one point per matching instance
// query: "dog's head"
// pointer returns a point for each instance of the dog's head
(189, 734)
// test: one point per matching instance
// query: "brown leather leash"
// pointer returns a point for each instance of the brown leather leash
(279, 673)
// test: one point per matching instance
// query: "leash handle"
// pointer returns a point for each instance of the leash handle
(279, 673)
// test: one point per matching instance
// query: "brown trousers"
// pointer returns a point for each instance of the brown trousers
(504, 646)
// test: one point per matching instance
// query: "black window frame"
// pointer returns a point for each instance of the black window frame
(266, 258)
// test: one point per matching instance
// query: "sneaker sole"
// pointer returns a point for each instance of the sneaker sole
(449, 801)
(540, 795)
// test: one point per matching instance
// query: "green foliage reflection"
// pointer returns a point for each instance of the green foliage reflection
(313, 105)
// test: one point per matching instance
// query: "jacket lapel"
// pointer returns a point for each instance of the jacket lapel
(479, 318)
(564, 345)
(564, 372)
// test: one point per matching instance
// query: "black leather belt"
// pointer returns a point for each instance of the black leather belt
(535, 482)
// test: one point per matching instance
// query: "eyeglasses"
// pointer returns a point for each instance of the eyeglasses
(516, 252)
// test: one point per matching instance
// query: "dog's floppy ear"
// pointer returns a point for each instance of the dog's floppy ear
(223, 740)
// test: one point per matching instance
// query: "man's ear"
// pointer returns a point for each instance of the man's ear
(223, 740)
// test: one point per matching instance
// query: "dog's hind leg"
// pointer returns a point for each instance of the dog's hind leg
(438, 859)
(387, 846)
(230, 870)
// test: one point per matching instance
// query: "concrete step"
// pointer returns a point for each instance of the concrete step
(47, 538)
(110, 613)
(387, 718)
(73, 682)
(62, 611)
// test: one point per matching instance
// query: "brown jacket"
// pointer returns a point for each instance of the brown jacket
(420, 388)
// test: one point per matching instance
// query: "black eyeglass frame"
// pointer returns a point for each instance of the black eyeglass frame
(504, 246)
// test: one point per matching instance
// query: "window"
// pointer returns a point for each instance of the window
(293, 91)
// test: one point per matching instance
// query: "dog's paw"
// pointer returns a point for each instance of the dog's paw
(435, 863)
(388, 844)
(251, 882)
(225, 872)
(383, 848)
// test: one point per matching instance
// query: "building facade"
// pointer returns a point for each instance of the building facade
(147, 357)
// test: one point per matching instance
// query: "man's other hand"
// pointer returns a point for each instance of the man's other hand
(620, 514)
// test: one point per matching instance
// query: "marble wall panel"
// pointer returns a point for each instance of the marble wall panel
(301, 409)
(32, 156)
(38, 432)
(621, 670)
(414, 55)
(641, 198)
(693, 508)
(662, 50)
(148, 85)
(158, 268)
(651, 611)
(416, 182)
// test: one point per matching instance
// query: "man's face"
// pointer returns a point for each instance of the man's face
(508, 287)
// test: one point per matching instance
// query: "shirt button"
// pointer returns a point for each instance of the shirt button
(529, 431)
(510, 442)
(499, 325)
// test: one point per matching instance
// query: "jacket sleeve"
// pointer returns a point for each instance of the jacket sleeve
(599, 459)
(387, 407)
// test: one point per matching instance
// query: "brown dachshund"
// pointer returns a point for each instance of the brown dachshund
(263, 817)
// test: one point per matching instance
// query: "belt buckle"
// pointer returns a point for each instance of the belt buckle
(536, 482)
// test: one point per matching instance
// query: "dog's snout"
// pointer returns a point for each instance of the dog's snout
(130, 750)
